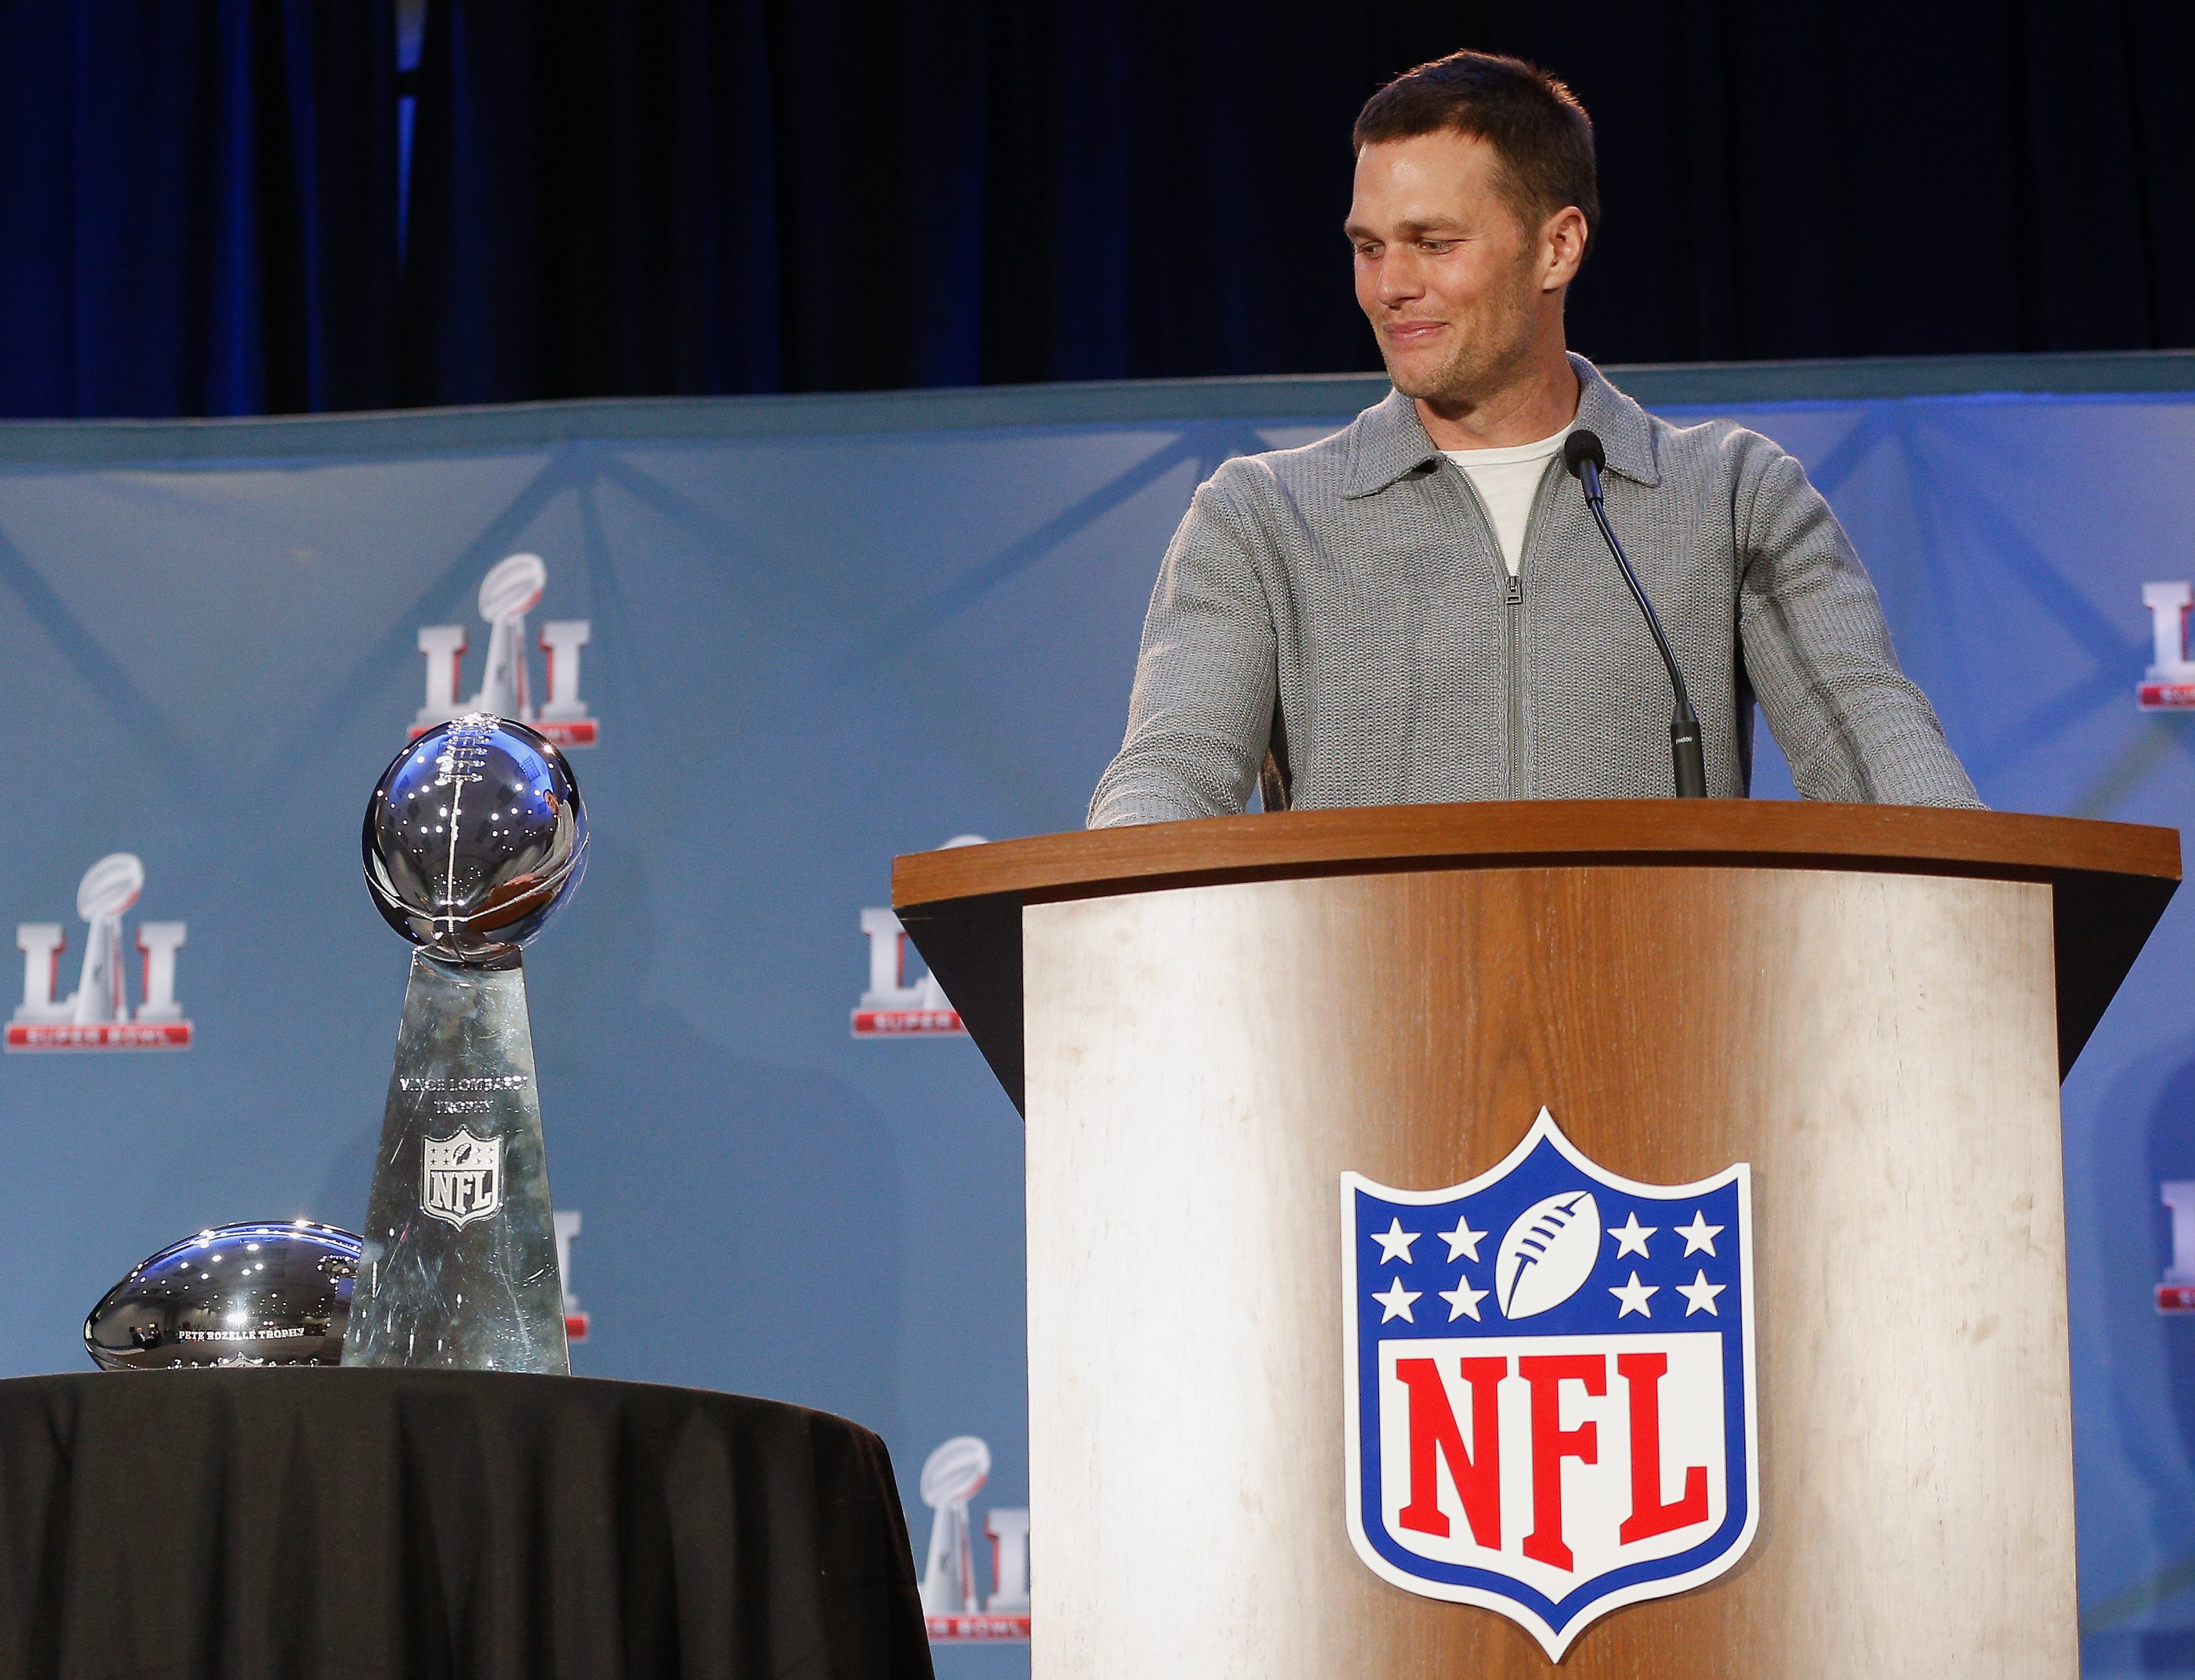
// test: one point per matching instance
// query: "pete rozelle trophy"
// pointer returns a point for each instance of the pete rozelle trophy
(475, 836)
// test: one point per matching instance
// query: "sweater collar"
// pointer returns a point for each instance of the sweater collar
(1391, 440)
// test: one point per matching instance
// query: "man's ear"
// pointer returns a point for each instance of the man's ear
(1562, 247)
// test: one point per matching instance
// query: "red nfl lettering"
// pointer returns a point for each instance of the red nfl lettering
(1477, 1476)
(1552, 1443)
(1436, 1439)
(1649, 1516)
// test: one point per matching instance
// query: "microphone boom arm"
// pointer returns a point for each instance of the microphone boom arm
(1685, 755)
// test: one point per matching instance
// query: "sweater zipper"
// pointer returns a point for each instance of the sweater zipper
(1513, 610)
(1513, 617)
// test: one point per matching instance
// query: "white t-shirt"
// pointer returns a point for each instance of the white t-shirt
(1507, 481)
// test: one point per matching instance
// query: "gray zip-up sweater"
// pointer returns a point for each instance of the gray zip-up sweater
(1357, 582)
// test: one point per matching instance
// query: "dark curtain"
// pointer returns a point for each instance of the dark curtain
(1807, 179)
(198, 206)
(641, 196)
(198, 197)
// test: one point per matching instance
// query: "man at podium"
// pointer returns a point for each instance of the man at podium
(1419, 609)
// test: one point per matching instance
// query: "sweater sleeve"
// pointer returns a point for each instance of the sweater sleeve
(1200, 714)
(1819, 653)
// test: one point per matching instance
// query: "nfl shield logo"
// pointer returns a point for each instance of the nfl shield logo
(1549, 1373)
(462, 1177)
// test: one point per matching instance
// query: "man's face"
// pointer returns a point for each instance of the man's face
(1450, 280)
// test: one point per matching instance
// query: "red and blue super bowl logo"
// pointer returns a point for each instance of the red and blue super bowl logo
(1550, 1385)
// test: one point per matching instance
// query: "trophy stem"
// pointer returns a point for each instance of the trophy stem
(459, 1268)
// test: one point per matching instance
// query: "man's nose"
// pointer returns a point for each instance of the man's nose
(1402, 277)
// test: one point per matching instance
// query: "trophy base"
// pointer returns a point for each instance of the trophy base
(459, 1268)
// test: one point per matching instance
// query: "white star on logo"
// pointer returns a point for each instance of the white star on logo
(1631, 1236)
(1461, 1300)
(1699, 1234)
(1462, 1241)
(1633, 1296)
(1395, 1240)
(1396, 1302)
(1699, 1295)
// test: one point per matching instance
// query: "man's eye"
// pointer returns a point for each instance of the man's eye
(1435, 247)
(1367, 251)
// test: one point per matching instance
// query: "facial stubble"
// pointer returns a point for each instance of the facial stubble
(1482, 364)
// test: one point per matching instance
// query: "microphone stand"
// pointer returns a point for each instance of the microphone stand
(1685, 755)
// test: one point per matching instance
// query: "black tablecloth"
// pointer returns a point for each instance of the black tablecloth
(248, 1524)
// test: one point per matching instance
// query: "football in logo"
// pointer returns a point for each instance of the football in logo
(952, 1474)
(109, 887)
(1547, 1254)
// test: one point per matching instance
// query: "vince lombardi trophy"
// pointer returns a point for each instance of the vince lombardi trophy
(474, 838)
(109, 887)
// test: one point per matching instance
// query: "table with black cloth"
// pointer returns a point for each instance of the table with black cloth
(241, 1524)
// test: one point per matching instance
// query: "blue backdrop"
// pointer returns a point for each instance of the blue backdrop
(825, 630)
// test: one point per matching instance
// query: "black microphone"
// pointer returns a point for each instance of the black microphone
(1583, 454)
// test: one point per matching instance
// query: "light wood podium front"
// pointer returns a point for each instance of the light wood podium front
(1207, 1023)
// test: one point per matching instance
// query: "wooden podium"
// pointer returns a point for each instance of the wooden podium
(1207, 1023)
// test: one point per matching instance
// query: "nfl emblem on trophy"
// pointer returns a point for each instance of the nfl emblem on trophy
(475, 837)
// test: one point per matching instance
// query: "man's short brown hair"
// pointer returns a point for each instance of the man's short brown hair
(1535, 125)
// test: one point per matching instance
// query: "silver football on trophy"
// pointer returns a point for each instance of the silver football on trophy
(265, 1293)
(473, 838)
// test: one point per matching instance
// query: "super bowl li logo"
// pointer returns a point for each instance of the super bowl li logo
(1550, 1402)
(893, 1006)
(955, 1613)
(2175, 1291)
(2169, 683)
(97, 1015)
(512, 589)
(577, 1320)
